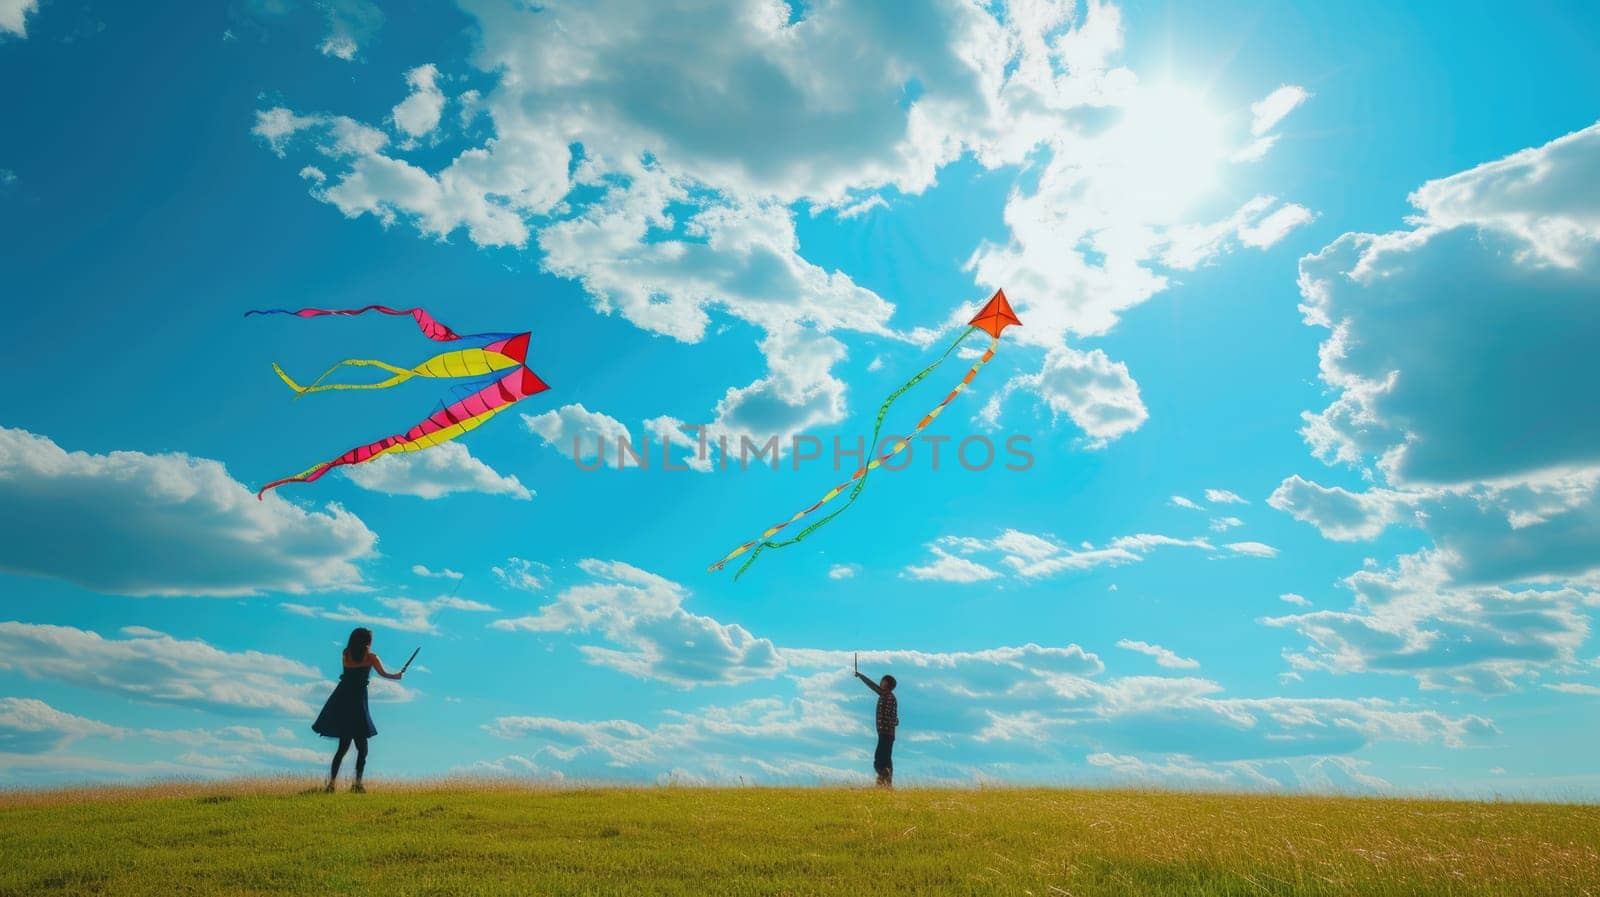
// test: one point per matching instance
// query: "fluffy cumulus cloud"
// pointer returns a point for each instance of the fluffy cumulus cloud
(1340, 514)
(41, 744)
(146, 665)
(1430, 328)
(647, 631)
(435, 473)
(1033, 712)
(30, 726)
(182, 526)
(1429, 334)
(1032, 556)
(1090, 388)
(14, 16)
(418, 114)
(1411, 620)
(658, 156)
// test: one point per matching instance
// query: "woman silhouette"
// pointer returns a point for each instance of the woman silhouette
(346, 716)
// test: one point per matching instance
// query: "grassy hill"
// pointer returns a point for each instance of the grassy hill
(484, 839)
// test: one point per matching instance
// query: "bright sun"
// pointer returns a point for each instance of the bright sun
(1169, 146)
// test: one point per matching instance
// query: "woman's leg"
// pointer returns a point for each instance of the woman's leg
(361, 756)
(338, 756)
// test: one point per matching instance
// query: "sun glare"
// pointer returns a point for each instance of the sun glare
(1170, 146)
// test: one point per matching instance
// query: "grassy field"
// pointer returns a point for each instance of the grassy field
(485, 839)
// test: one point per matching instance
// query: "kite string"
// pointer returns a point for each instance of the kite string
(899, 446)
(883, 411)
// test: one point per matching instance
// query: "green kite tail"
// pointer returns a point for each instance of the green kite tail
(872, 446)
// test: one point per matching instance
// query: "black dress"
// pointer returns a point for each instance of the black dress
(346, 714)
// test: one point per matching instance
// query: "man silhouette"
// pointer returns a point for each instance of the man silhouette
(888, 719)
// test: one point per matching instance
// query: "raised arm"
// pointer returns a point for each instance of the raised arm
(870, 684)
(378, 665)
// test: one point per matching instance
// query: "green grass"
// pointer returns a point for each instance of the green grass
(461, 839)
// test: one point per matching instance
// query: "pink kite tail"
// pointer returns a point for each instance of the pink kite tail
(430, 326)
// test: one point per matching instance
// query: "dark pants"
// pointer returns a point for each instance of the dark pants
(882, 762)
(344, 748)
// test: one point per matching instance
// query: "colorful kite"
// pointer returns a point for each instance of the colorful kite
(992, 318)
(494, 352)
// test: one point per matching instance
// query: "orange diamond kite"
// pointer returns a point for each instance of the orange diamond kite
(996, 316)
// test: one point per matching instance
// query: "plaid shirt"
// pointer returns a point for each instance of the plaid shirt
(888, 712)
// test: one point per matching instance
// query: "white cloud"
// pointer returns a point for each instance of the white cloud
(1274, 227)
(29, 726)
(418, 114)
(1179, 770)
(198, 531)
(1538, 195)
(408, 614)
(1429, 331)
(641, 615)
(339, 46)
(1223, 524)
(1031, 710)
(233, 750)
(1032, 556)
(1292, 598)
(1255, 150)
(439, 471)
(946, 567)
(14, 16)
(1252, 549)
(41, 744)
(1224, 497)
(1266, 114)
(157, 668)
(445, 573)
(856, 210)
(1409, 620)
(843, 571)
(589, 437)
(350, 24)
(1500, 266)
(1257, 224)
(1189, 503)
(1574, 688)
(669, 207)
(523, 575)
(1163, 656)
(1339, 514)
(1090, 388)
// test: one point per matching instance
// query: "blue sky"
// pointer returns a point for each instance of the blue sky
(1307, 298)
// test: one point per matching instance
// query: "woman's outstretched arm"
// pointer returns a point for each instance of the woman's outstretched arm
(870, 684)
(378, 665)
